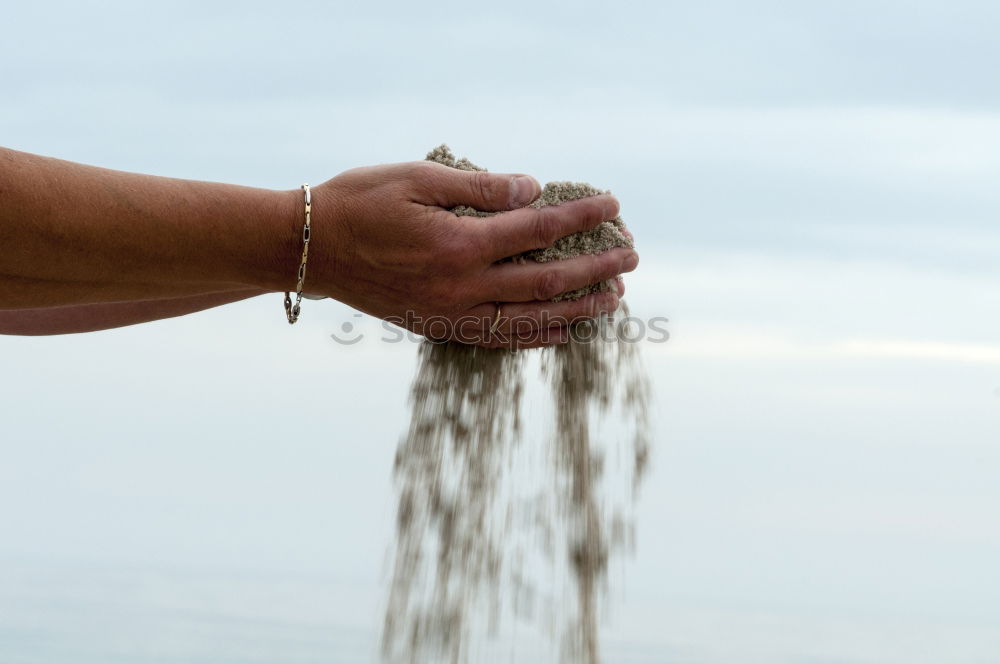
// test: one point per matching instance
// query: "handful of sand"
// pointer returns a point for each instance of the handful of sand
(483, 528)
(606, 235)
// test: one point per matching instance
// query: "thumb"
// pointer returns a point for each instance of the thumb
(488, 192)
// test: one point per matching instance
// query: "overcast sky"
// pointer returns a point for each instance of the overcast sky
(813, 190)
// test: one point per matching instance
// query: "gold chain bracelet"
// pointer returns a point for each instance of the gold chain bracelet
(292, 312)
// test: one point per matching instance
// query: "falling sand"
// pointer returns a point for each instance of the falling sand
(484, 531)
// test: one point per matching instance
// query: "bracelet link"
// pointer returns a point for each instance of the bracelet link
(292, 311)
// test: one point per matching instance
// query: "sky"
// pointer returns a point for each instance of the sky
(812, 189)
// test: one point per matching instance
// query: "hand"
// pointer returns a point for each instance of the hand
(385, 242)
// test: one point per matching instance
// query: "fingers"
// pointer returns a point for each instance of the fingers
(535, 324)
(513, 340)
(526, 317)
(529, 282)
(491, 192)
(540, 338)
(529, 324)
(525, 229)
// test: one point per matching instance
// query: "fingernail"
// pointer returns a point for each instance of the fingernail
(523, 190)
(630, 262)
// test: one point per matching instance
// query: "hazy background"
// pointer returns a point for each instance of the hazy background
(813, 187)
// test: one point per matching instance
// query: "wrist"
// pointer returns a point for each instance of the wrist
(280, 225)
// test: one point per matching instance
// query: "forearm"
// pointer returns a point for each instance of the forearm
(75, 234)
(385, 243)
(93, 317)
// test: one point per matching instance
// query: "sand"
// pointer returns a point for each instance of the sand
(484, 533)
(605, 236)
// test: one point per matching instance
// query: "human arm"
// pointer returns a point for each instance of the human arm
(383, 240)
(71, 319)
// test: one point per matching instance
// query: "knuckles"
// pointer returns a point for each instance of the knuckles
(547, 227)
(427, 178)
(486, 189)
(548, 284)
(424, 172)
